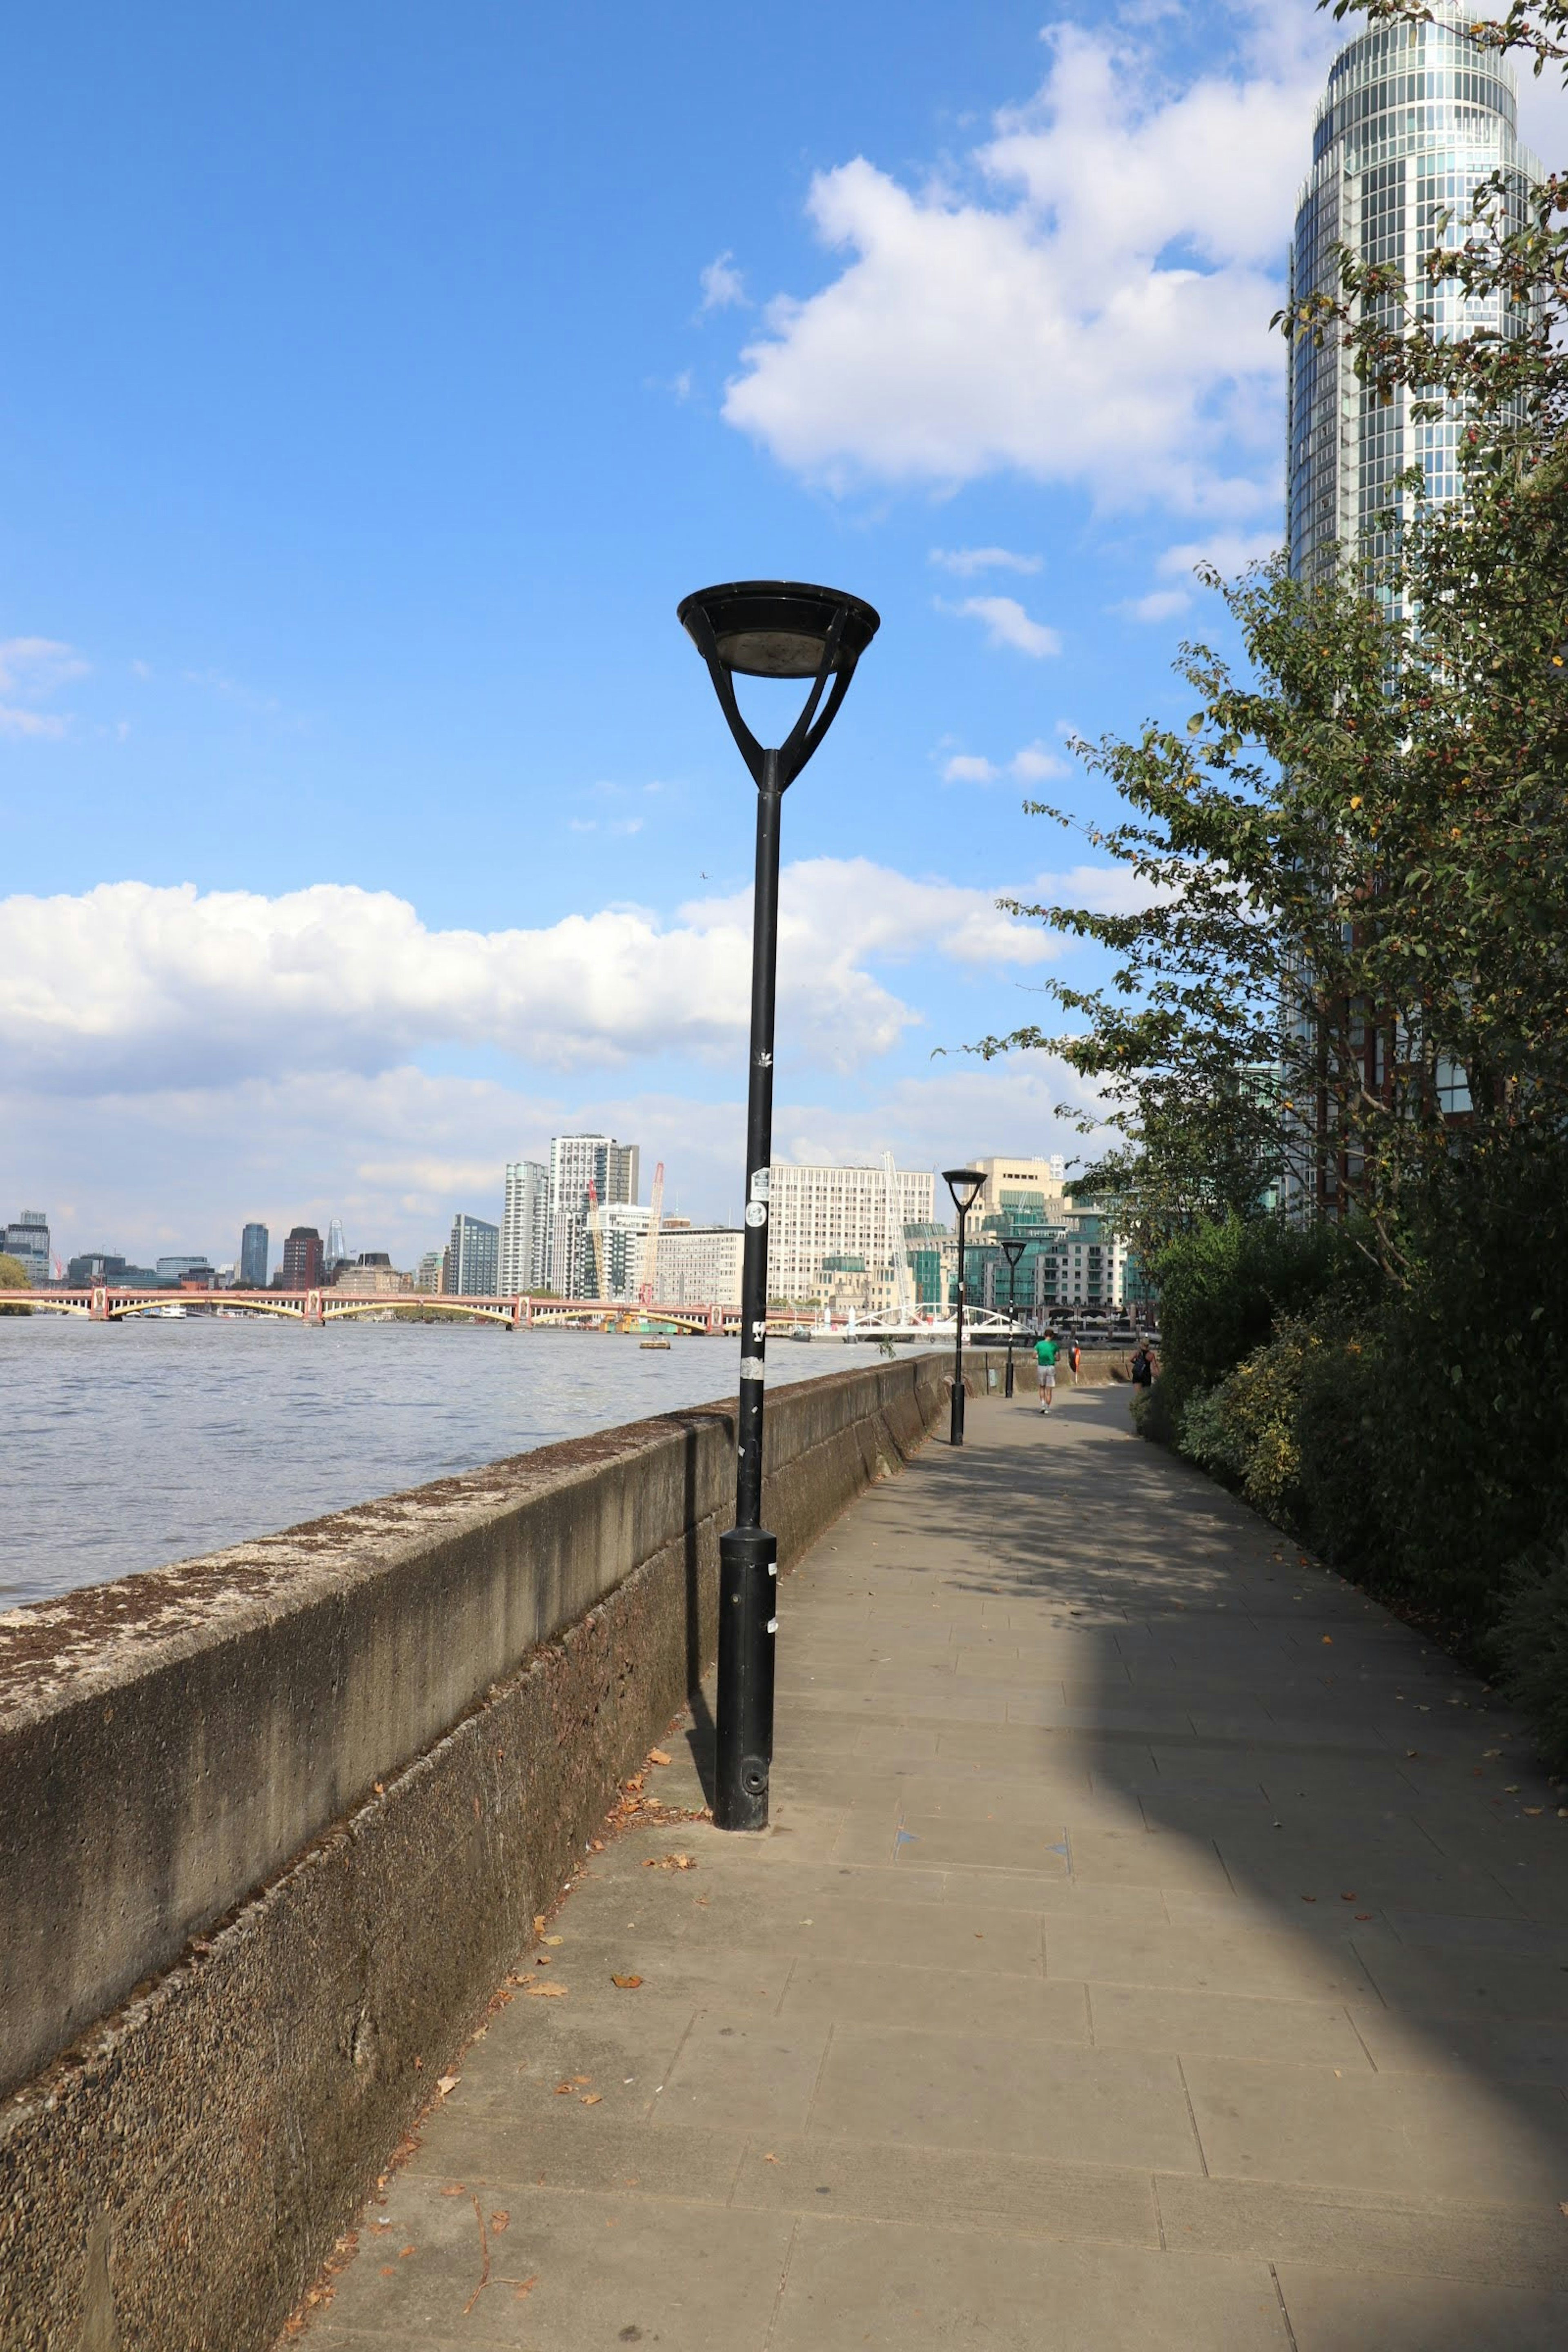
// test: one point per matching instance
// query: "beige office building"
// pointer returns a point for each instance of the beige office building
(830, 1233)
(1029, 1187)
(699, 1266)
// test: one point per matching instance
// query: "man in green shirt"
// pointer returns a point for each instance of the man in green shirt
(1046, 1363)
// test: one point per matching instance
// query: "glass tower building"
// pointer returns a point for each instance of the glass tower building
(1416, 116)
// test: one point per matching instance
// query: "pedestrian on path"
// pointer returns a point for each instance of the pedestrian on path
(1075, 1357)
(1141, 1372)
(1046, 1363)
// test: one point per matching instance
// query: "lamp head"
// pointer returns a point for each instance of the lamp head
(965, 1184)
(778, 628)
(1013, 1251)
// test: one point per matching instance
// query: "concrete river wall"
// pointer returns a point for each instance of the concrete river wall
(275, 1823)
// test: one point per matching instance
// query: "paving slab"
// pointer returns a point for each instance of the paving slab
(1113, 1973)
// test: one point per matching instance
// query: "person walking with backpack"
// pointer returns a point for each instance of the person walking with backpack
(1045, 1365)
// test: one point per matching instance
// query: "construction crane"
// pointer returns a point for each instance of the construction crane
(647, 1287)
(596, 1234)
(903, 1281)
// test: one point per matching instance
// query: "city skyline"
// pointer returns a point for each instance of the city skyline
(986, 341)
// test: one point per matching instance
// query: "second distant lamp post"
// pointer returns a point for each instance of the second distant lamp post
(1012, 1251)
(784, 629)
(966, 1185)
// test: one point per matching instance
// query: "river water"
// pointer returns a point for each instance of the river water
(127, 1446)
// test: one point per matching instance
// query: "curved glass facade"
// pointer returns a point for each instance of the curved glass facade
(1415, 117)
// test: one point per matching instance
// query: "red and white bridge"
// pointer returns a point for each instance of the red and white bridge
(107, 1303)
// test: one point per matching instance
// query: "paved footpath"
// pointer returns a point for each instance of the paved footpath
(1154, 1946)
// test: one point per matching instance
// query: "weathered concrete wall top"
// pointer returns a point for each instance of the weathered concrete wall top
(169, 1742)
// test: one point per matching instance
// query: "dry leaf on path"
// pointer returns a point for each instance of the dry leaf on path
(499, 2221)
(542, 1992)
(592, 2098)
(445, 2083)
(657, 1756)
(456, 2190)
(626, 1984)
(525, 2287)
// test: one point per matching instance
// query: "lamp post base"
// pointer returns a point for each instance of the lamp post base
(955, 1426)
(748, 1625)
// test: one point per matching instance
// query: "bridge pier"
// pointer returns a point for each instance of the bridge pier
(313, 1314)
(97, 1305)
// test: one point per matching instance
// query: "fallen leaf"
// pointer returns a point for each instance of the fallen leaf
(1533, 1810)
(403, 2252)
(626, 1984)
(657, 1756)
(564, 2090)
(1413, 1752)
(592, 2098)
(1491, 1751)
(1364, 1915)
(444, 2083)
(539, 1923)
(1309, 1898)
(387, 2269)
(542, 1992)
(456, 2190)
(555, 1939)
(771, 2158)
(1511, 1789)
(1328, 1641)
(580, 2082)
(499, 2221)
(541, 1959)
(525, 2287)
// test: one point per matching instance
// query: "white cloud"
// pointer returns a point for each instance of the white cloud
(1161, 604)
(1007, 624)
(965, 561)
(722, 284)
(1032, 766)
(1092, 306)
(33, 668)
(134, 987)
(1229, 552)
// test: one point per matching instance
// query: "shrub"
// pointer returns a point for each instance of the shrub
(1530, 1646)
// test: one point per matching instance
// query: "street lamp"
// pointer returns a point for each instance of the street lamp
(762, 628)
(965, 1184)
(1012, 1252)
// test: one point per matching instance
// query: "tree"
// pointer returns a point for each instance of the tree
(14, 1276)
(1353, 967)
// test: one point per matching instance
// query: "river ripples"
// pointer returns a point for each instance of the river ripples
(128, 1445)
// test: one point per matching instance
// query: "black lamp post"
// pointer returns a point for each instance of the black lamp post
(966, 1185)
(1012, 1251)
(762, 628)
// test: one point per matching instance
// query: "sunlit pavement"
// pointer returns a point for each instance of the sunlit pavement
(1147, 1951)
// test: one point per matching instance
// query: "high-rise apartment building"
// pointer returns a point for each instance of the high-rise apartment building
(302, 1259)
(1415, 117)
(28, 1241)
(575, 1162)
(624, 1230)
(525, 1228)
(337, 1250)
(254, 1244)
(473, 1258)
(428, 1272)
(815, 1214)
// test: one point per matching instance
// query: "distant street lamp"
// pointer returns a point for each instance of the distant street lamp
(762, 628)
(1012, 1252)
(965, 1184)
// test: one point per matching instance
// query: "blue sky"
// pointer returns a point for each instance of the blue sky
(378, 383)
